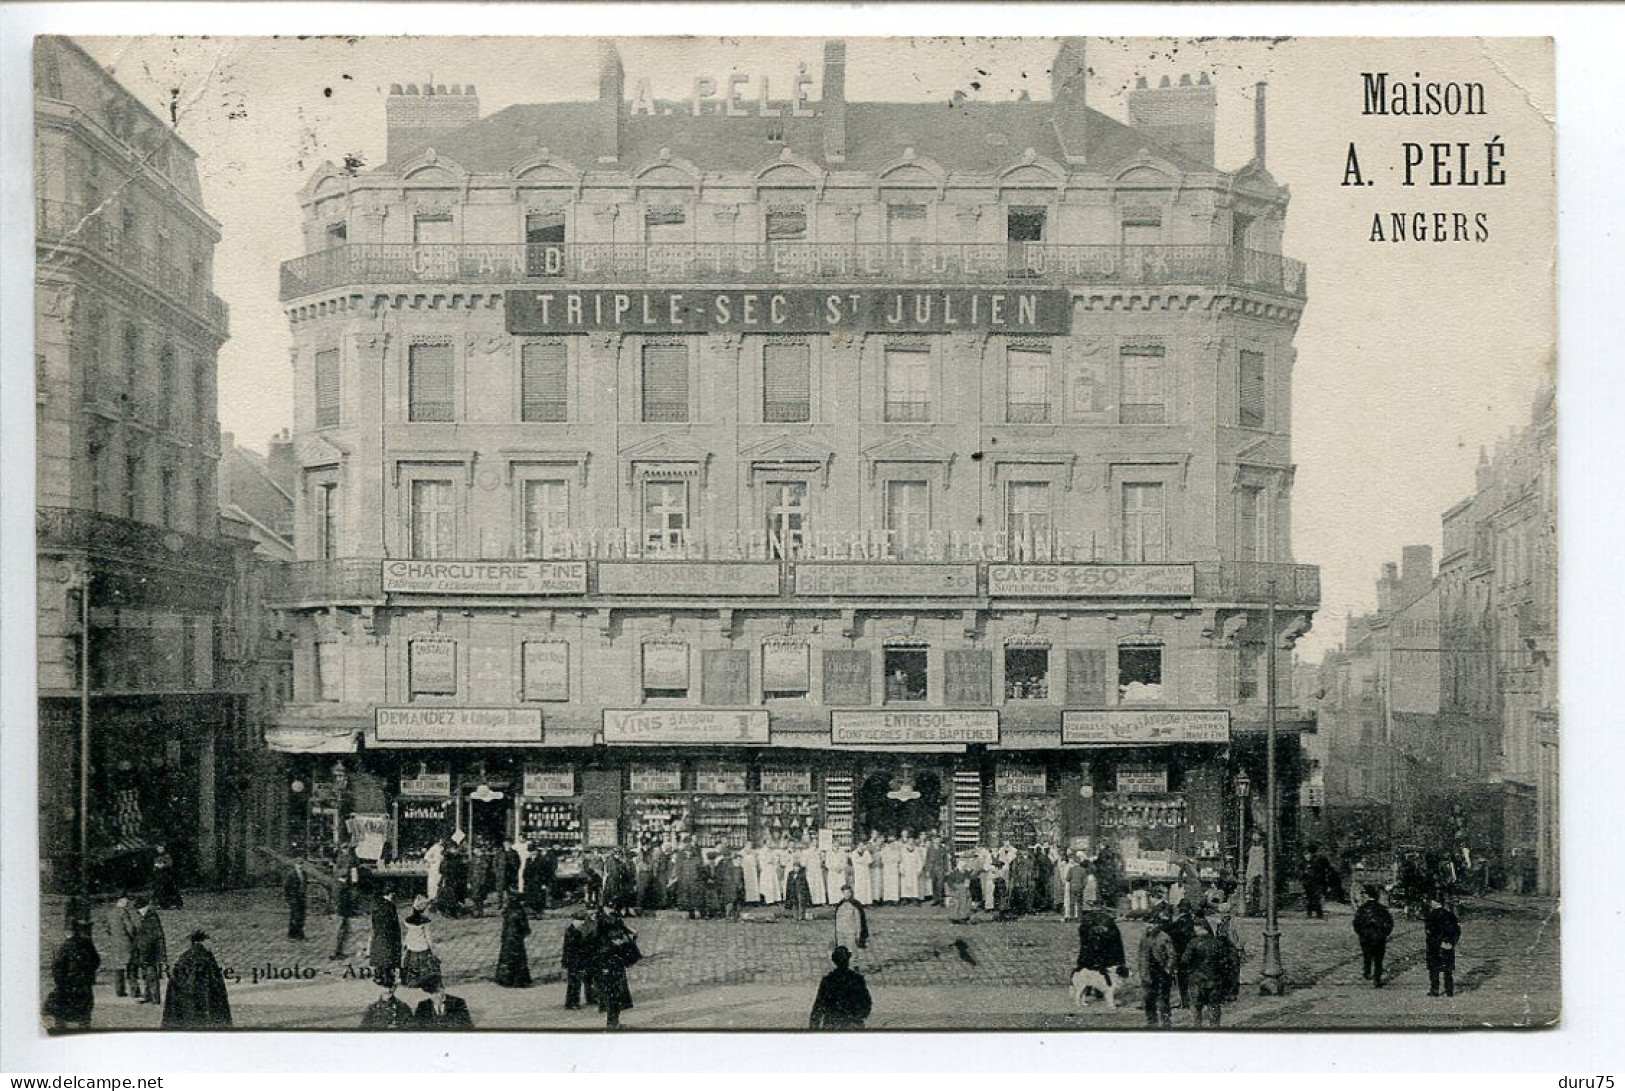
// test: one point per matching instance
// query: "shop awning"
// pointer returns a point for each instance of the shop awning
(311, 739)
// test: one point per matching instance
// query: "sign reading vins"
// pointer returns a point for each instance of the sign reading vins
(628, 726)
(790, 310)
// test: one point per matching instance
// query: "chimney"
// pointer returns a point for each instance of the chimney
(1179, 117)
(1260, 102)
(611, 104)
(1386, 588)
(1416, 568)
(1484, 472)
(1068, 86)
(416, 119)
(834, 105)
(280, 462)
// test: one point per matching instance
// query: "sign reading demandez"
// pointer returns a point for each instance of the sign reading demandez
(1091, 580)
(486, 577)
(790, 310)
(626, 726)
(448, 725)
(1142, 727)
(863, 727)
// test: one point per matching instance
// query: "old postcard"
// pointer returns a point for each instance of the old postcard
(676, 534)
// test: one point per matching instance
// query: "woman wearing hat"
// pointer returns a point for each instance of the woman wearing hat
(197, 990)
(419, 963)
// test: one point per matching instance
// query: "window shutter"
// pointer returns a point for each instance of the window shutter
(1251, 400)
(544, 383)
(846, 677)
(967, 676)
(1087, 680)
(725, 676)
(665, 383)
(431, 392)
(327, 388)
(786, 383)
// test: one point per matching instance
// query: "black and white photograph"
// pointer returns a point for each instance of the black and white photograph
(815, 534)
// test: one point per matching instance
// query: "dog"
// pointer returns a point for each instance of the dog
(1087, 984)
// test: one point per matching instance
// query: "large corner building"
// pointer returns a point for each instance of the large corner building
(756, 465)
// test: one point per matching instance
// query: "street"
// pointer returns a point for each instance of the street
(761, 974)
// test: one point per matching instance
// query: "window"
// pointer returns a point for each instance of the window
(1142, 226)
(429, 380)
(905, 224)
(906, 678)
(324, 519)
(1139, 674)
(1026, 674)
(132, 359)
(1025, 224)
(546, 517)
(1251, 541)
(665, 671)
(784, 670)
(544, 382)
(337, 234)
(786, 517)
(1026, 388)
(786, 384)
(908, 384)
(166, 496)
(1144, 524)
(665, 223)
(908, 516)
(1142, 400)
(665, 515)
(434, 520)
(188, 653)
(546, 670)
(1249, 656)
(1250, 397)
(1027, 519)
(544, 244)
(328, 406)
(433, 228)
(329, 667)
(166, 386)
(786, 223)
(665, 382)
(133, 469)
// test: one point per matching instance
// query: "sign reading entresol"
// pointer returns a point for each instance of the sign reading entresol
(1140, 727)
(444, 725)
(486, 577)
(756, 579)
(885, 579)
(864, 727)
(626, 726)
(790, 310)
(1091, 580)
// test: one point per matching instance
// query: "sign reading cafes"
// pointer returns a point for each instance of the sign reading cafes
(1091, 580)
(790, 310)
(454, 725)
(485, 577)
(632, 726)
(1142, 727)
(863, 727)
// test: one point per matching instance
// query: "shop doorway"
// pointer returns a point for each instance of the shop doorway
(490, 817)
(893, 801)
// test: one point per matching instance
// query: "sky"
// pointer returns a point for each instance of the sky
(1411, 356)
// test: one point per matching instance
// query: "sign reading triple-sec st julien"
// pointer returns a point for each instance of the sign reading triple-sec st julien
(789, 310)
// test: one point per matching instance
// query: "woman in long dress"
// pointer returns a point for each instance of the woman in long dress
(513, 963)
(419, 963)
(909, 862)
(862, 890)
(987, 878)
(767, 862)
(957, 886)
(835, 873)
(877, 869)
(431, 860)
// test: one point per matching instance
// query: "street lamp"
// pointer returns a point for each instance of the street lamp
(1272, 978)
(77, 578)
(1244, 792)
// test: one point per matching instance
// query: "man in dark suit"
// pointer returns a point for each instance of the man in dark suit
(843, 1001)
(294, 892)
(1443, 933)
(384, 949)
(387, 1013)
(442, 1011)
(1373, 924)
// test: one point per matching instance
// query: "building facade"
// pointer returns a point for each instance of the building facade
(755, 467)
(127, 331)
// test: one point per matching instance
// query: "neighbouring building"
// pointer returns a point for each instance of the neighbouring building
(1498, 619)
(755, 467)
(127, 330)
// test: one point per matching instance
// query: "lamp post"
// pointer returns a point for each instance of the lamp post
(1244, 792)
(1272, 978)
(76, 578)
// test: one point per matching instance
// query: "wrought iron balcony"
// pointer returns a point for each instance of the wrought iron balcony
(115, 538)
(62, 225)
(341, 580)
(787, 263)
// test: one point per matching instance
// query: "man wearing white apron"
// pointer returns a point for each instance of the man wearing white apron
(862, 889)
(910, 861)
(813, 860)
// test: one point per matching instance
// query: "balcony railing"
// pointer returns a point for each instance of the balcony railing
(787, 263)
(1295, 586)
(63, 224)
(115, 537)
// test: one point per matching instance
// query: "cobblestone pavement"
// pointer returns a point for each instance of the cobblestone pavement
(923, 970)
